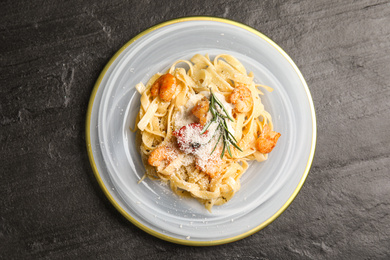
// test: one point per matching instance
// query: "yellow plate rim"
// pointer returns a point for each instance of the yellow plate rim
(149, 230)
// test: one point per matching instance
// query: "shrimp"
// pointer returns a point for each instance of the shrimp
(200, 110)
(211, 166)
(242, 98)
(267, 140)
(165, 87)
(160, 154)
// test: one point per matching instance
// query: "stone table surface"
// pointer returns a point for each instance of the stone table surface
(51, 54)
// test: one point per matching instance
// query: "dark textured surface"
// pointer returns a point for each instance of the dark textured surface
(51, 54)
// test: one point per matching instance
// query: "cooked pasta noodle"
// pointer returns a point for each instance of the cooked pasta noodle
(199, 127)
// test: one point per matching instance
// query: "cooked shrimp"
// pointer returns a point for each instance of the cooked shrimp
(160, 154)
(200, 110)
(165, 87)
(211, 167)
(267, 140)
(242, 98)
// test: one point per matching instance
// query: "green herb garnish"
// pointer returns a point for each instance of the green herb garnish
(220, 118)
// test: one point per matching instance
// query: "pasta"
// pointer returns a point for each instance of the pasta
(199, 127)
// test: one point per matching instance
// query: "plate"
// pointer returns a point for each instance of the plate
(267, 188)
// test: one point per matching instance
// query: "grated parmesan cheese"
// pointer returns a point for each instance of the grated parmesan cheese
(198, 148)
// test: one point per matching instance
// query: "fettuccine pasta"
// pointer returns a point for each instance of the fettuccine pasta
(199, 127)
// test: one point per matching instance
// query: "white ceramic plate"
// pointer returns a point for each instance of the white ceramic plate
(267, 188)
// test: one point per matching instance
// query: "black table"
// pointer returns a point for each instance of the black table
(51, 54)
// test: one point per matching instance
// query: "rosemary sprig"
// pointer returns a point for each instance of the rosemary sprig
(226, 135)
(219, 138)
(212, 96)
